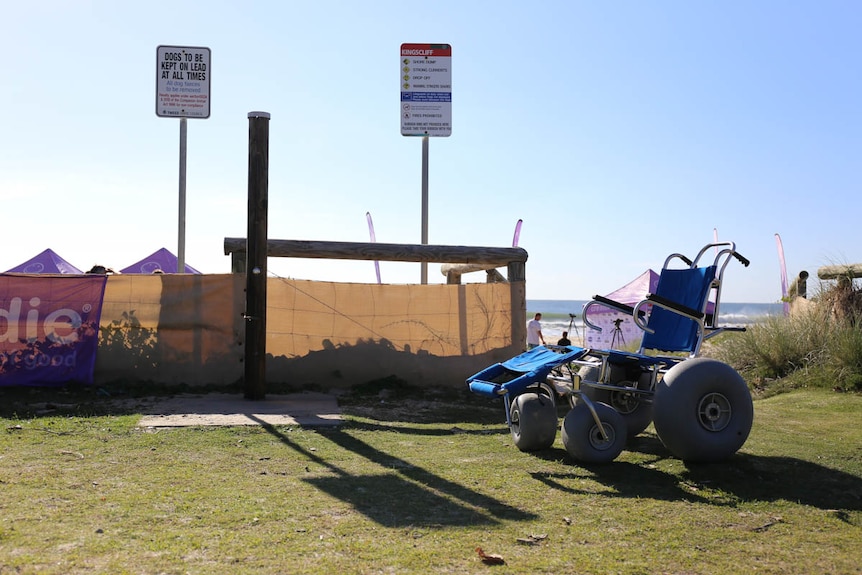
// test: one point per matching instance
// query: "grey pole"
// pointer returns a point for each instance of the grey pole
(181, 242)
(424, 272)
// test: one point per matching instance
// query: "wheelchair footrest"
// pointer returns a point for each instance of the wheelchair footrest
(522, 371)
(487, 388)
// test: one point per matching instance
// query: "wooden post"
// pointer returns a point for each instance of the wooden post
(237, 262)
(517, 273)
(799, 287)
(255, 297)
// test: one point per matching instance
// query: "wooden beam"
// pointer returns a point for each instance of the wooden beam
(839, 271)
(483, 256)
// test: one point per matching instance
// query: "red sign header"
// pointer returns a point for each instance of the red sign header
(438, 50)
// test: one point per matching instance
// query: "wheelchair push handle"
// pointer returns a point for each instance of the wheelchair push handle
(742, 259)
(727, 248)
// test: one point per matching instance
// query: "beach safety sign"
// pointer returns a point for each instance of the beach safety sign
(183, 76)
(425, 75)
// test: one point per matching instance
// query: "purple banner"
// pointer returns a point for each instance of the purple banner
(49, 328)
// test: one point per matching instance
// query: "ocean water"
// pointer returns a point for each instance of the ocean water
(557, 316)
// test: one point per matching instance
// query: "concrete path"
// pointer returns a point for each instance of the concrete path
(311, 409)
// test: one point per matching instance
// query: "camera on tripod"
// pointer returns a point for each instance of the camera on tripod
(617, 337)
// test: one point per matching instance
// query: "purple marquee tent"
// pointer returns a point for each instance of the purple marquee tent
(162, 260)
(625, 333)
(47, 262)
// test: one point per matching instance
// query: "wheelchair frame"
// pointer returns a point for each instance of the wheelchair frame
(701, 408)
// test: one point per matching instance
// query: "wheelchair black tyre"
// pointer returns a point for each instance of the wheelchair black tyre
(637, 414)
(533, 419)
(583, 439)
(546, 389)
(702, 410)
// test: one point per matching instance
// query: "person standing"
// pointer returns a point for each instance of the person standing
(565, 339)
(534, 332)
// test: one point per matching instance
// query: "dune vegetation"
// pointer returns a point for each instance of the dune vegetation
(819, 345)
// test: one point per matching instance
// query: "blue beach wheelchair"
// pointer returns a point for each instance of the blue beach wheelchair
(701, 408)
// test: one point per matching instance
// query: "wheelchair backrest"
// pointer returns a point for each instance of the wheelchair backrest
(673, 332)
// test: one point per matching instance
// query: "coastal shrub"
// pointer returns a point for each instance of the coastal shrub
(840, 307)
(773, 348)
(845, 352)
(818, 347)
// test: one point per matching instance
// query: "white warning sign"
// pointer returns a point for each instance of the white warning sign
(426, 89)
(183, 76)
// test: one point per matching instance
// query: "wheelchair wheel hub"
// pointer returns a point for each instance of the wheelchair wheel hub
(714, 412)
(624, 401)
(598, 441)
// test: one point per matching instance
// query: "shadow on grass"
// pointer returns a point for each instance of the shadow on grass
(428, 431)
(404, 404)
(80, 400)
(406, 496)
(743, 478)
(770, 478)
(437, 406)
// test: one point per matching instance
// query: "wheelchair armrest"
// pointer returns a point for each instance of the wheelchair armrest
(667, 304)
(620, 307)
(673, 306)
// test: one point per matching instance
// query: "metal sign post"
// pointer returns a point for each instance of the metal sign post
(423, 274)
(425, 76)
(181, 240)
(182, 91)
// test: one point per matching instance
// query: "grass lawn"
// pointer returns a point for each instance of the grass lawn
(413, 485)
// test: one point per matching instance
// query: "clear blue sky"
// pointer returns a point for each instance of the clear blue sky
(618, 131)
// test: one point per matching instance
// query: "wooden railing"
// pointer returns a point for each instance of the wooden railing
(487, 258)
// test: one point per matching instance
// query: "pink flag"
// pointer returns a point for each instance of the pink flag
(373, 239)
(517, 233)
(783, 269)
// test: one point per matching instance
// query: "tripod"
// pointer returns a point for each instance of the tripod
(618, 334)
(571, 324)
